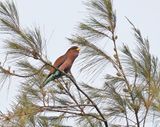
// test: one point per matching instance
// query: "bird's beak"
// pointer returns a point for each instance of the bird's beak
(78, 49)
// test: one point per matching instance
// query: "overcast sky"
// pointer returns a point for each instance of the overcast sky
(59, 18)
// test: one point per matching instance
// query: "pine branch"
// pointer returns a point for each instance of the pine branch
(104, 120)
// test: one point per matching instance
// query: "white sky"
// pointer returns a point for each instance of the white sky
(59, 18)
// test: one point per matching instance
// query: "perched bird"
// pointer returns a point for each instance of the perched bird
(63, 63)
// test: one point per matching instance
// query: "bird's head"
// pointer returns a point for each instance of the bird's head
(73, 51)
(74, 48)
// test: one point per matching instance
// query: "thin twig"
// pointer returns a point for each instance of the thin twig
(18, 75)
(70, 112)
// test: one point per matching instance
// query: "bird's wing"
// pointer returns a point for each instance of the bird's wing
(59, 61)
(53, 73)
(70, 57)
(66, 66)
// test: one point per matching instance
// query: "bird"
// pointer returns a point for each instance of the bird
(62, 63)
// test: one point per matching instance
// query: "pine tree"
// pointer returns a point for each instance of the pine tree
(129, 94)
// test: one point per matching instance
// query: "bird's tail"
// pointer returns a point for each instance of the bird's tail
(51, 77)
